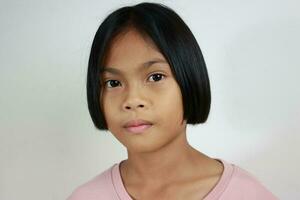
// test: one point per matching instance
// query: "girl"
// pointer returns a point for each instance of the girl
(146, 81)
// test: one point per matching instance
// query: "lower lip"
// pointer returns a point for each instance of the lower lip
(138, 129)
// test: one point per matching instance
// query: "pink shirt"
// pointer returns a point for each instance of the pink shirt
(234, 184)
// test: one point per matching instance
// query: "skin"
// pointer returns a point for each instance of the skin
(161, 163)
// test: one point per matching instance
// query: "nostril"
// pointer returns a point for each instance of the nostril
(129, 107)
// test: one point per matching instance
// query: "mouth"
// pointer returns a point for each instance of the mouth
(138, 129)
(137, 126)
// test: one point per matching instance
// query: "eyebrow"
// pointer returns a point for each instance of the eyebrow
(143, 66)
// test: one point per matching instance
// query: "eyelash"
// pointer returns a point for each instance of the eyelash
(149, 76)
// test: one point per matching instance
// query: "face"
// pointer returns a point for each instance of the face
(140, 86)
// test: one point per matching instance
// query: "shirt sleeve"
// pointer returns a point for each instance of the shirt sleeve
(100, 187)
(244, 186)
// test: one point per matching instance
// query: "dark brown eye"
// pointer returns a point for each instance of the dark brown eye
(113, 83)
(157, 77)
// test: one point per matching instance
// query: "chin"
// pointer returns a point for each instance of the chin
(144, 147)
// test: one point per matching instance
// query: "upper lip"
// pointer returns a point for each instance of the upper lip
(137, 122)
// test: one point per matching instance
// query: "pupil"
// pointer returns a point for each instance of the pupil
(114, 83)
(157, 75)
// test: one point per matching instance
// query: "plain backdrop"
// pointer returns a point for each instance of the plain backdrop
(48, 144)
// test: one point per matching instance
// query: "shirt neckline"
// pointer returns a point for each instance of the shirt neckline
(213, 194)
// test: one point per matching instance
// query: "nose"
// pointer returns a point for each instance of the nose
(128, 107)
(134, 100)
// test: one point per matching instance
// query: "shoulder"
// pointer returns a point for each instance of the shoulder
(99, 187)
(245, 179)
(246, 186)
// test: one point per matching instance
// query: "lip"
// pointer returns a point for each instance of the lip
(137, 126)
(138, 129)
(137, 122)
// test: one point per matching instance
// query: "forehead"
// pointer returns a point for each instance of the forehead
(130, 49)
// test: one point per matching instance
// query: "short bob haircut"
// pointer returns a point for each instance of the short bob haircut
(173, 39)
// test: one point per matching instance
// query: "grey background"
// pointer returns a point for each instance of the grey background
(48, 145)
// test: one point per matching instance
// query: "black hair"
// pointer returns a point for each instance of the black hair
(173, 39)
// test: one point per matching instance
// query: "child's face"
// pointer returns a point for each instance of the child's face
(159, 95)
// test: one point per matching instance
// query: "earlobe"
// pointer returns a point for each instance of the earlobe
(183, 121)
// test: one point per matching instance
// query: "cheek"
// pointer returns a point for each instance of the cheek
(109, 109)
(171, 105)
(173, 98)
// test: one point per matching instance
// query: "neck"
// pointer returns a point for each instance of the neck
(174, 161)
